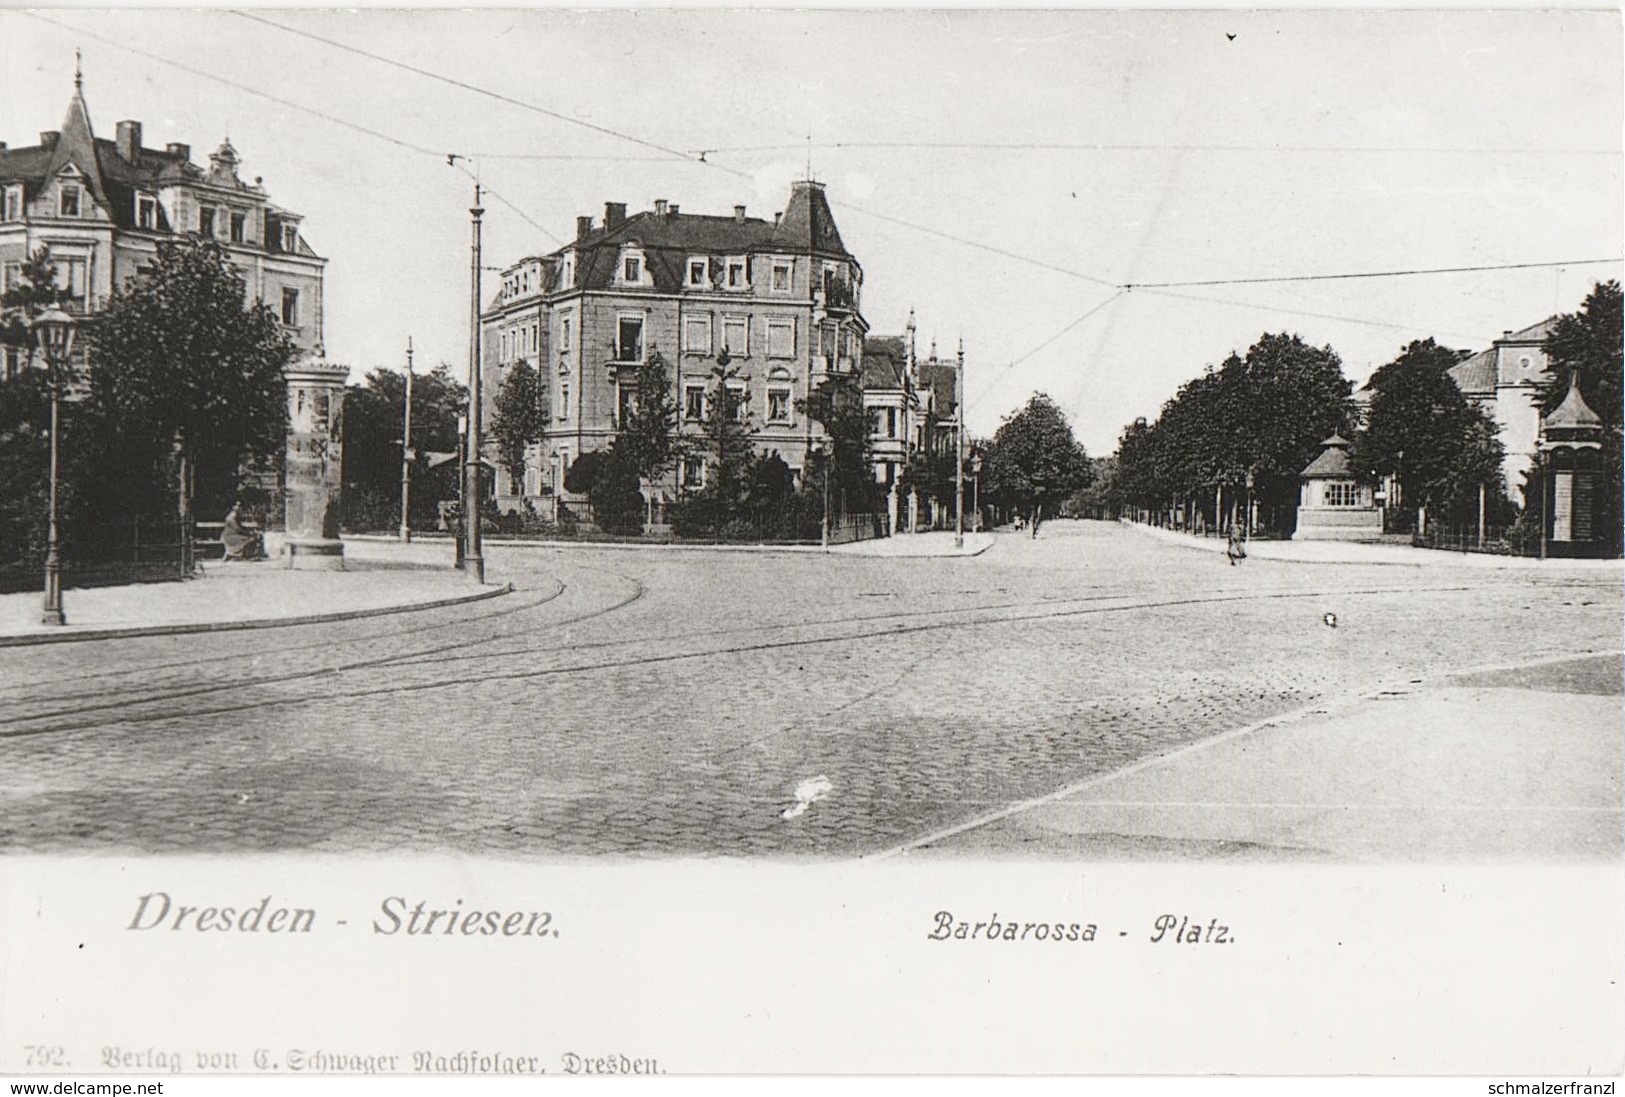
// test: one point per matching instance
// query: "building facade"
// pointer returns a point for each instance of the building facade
(102, 207)
(781, 297)
(913, 405)
(1505, 381)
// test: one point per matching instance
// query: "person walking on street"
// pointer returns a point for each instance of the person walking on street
(1234, 548)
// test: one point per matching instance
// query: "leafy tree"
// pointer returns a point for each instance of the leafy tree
(520, 418)
(372, 445)
(178, 358)
(1249, 426)
(726, 436)
(1035, 462)
(617, 504)
(34, 291)
(1422, 431)
(649, 441)
(1589, 343)
(837, 406)
(585, 471)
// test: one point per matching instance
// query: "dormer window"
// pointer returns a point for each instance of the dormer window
(736, 274)
(290, 239)
(11, 203)
(69, 200)
(206, 221)
(567, 275)
(632, 269)
(699, 273)
(146, 212)
(239, 227)
(783, 277)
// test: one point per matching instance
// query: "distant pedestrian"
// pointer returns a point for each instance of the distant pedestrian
(1234, 548)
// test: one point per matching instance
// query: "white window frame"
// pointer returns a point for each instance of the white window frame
(788, 268)
(742, 265)
(232, 221)
(566, 330)
(146, 212)
(284, 312)
(692, 388)
(1341, 493)
(742, 325)
(632, 256)
(704, 280)
(564, 399)
(779, 325)
(740, 391)
(788, 392)
(11, 203)
(64, 189)
(691, 345)
(208, 221)
(643, 335)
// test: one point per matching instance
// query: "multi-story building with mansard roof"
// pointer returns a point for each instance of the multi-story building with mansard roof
(102, 207)
(782, 296)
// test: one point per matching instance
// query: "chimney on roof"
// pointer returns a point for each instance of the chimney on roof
(48, 137)
(739, 214)
(129, 141)
(777, 217)
(614, 215)
(179, 151)
(673, 209)
(583, 227)
(660, 207)
(2, 146)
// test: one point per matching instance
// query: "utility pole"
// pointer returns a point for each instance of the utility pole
(473, 561)
(959, 449)
(406, 453)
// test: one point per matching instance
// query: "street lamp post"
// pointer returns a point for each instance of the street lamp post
(959, 449)
(821, 448)
(473, 561)
(54, 329)
(553, 478)
(406, 452)
(976, 489)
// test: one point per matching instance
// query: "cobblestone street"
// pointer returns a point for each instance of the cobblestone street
(673, 702)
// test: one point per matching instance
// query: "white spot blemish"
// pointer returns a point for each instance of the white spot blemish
(808, 792)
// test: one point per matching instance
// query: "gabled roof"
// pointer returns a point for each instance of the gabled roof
(884, 357)
(668, 238)
(1333, 462)
(1475, 376)
(76, 144)
(111, 178)
(1534, 333)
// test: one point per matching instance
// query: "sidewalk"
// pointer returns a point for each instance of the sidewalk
(1338, 552)
(1495, 763)
(932, 543)
(378, 579)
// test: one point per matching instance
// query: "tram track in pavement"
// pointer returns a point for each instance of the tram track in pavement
(310, 673)
(902, 624)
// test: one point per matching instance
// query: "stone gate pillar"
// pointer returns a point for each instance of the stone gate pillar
(315, 464)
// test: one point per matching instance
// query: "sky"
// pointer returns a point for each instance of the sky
(1004, 174)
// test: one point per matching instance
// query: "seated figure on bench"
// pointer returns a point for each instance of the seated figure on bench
(241, 541)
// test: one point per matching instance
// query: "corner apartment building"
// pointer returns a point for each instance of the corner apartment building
(102, 207)
(782, 297)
